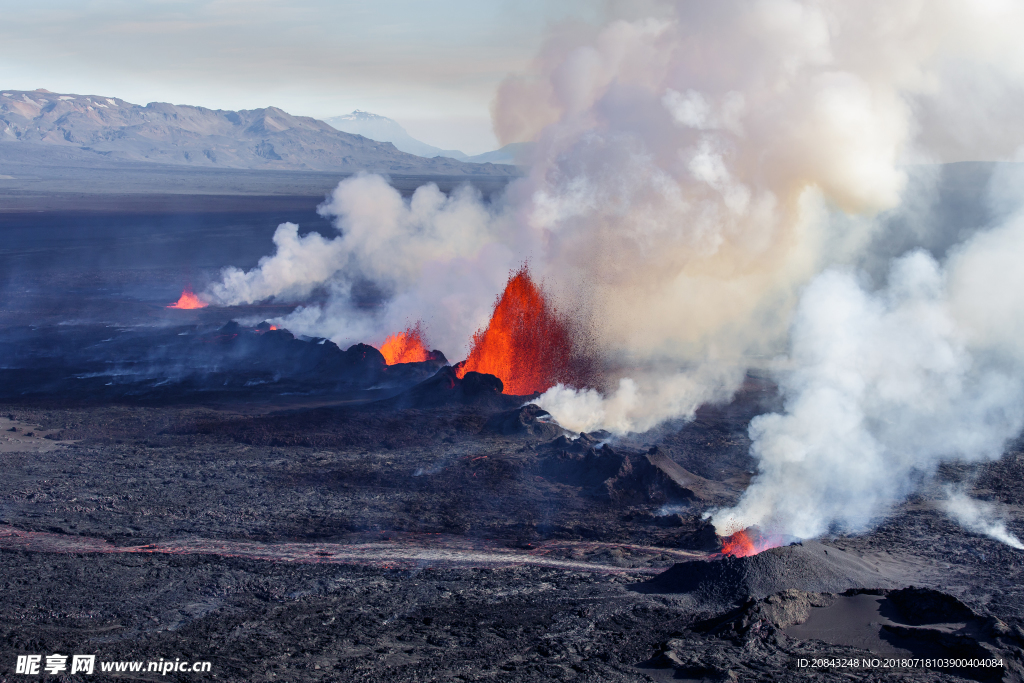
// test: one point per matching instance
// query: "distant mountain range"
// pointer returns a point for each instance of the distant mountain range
(185, 135)
(383, 129)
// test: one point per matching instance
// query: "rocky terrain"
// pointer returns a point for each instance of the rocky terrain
(178, 486)
(462, 541)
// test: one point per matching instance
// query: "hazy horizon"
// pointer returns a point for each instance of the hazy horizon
(434, 69)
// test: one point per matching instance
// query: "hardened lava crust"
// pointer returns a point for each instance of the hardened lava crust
(451, 534)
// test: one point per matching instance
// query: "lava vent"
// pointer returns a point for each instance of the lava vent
(808, 566)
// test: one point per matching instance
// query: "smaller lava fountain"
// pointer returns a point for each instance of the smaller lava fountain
(749, 542)
(526, 344)
(406, 347)
(188, 300)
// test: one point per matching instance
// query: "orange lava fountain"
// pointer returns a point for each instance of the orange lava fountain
(405, 347)
(749, 542)
(188, 300)
(738, 545)
(526, 345)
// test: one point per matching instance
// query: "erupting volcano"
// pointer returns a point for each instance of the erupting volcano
(406, 347)
(188, 300)
(748, 542)
(526, 344)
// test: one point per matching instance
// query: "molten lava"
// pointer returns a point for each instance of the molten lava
(749, 542)
(526, 345)
(188, 300)
(405, 347)
(738, 545)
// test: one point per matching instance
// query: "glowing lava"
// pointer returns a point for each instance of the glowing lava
(188, 300)
(405, 347)
(526, 345)
(749, 542)
(738, 545)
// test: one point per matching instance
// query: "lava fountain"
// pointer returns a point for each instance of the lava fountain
(749, 542)
(406, 347)
(526, 344)
(188, 300)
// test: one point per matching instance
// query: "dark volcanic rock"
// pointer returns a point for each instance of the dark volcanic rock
(156, 364)
(580, 464)
(704, 537)
(278, 353)
(808, 566)
(768, 635)
(366, 355)
(446, 388)
(408, 374)
(530, 420)
(563, 444)
(623, 478)
(481, 384)
(649, 478)
(927, 606)
(779, 610)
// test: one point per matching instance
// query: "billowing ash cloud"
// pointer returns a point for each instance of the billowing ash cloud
(433, 257)
(706, 182)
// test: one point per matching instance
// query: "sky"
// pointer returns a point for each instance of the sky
(432, 66)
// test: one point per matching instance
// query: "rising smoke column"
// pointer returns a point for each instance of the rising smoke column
(882, 388)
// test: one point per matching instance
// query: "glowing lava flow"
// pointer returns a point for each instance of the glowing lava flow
(525, 344)
(188, 300)
(405, 347)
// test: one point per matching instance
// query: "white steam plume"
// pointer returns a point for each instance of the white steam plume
(979, 517)
(299, 265)
(434, 257)
(881, 389)
(630, 409)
